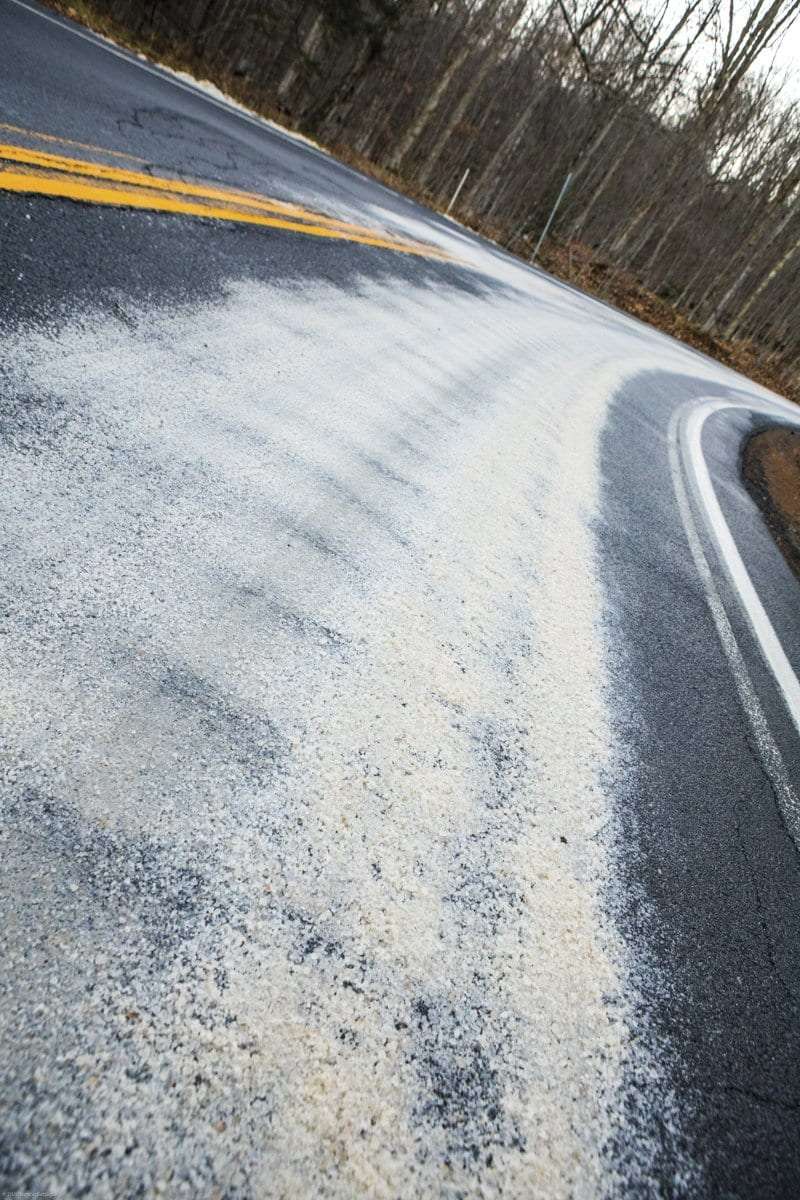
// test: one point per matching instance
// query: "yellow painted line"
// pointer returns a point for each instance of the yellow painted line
(117, 175)
(118, 196)
(61, 141)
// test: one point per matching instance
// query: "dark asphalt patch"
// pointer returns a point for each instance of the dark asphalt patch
(461, 1081)
(61, 259)
(267, 610)
(249, 740)
(163, 899)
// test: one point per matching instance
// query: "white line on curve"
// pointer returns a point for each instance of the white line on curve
(688, 465)
(691, 433)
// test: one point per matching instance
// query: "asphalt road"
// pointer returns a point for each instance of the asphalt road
(400, 739)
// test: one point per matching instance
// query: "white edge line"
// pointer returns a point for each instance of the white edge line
(686, 459)
(690, 431)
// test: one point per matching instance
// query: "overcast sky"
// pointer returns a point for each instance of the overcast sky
(788, 58)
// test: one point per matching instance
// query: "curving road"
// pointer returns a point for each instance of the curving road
(399, 713)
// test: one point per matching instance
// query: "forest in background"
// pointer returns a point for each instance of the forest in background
(682, 145)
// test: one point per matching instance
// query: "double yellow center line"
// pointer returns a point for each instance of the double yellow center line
(39, 173)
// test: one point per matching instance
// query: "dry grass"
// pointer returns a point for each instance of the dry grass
(573, 262)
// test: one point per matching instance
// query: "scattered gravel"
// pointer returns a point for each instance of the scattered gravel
(307, 757)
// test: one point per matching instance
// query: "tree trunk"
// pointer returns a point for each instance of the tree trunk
(417, 127)
(456, 116)
(736, 325)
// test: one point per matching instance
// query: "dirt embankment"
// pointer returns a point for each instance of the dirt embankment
(771, 469)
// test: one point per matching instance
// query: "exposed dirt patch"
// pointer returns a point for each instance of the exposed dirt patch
(771, 469)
